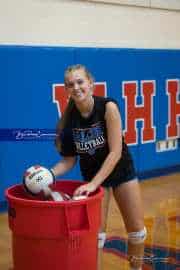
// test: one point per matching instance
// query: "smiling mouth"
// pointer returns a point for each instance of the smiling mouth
(78, 94)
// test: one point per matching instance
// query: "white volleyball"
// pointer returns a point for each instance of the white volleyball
(37, 178)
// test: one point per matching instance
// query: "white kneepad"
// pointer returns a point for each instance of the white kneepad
(137, 237)
(101, 239)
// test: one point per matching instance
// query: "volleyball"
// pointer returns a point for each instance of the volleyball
(37, 178)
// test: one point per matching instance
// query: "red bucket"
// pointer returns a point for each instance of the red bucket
(49, 235)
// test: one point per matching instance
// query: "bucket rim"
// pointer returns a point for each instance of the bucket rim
(37, 203)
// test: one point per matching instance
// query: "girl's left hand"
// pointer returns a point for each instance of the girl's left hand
(85, 189)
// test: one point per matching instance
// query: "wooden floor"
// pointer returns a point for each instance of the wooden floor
(161, 197)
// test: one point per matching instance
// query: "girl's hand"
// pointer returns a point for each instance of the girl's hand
(85, 189)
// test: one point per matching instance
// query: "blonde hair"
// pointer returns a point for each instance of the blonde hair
(65, 118)
(77, 67)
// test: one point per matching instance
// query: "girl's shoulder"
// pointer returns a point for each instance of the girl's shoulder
(102, 101)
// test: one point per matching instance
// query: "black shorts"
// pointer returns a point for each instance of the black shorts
(124, 173)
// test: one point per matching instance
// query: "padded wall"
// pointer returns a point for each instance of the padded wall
(29, 111)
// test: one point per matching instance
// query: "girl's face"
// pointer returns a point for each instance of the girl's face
(78, 85)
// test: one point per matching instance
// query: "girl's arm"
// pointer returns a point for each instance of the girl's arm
(114, 135)
(64, 165)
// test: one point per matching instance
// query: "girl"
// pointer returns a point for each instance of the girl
(91, 129)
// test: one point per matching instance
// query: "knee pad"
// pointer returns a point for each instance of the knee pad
(101, 239)
(137, 237)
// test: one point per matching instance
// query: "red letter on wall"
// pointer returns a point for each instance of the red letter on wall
(60, 96)
(172, 89)
(134, 112)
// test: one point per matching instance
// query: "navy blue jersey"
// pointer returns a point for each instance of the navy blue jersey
(87, 137)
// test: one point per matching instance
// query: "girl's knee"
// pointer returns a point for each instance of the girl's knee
(137, 237)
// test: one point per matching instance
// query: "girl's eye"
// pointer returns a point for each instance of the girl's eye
(69, 85)
(80, 81)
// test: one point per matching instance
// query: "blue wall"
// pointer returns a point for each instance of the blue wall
(27, 75)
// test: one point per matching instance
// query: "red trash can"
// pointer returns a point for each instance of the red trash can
(49, 235)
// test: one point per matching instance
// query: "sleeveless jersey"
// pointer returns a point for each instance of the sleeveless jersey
(87, 138)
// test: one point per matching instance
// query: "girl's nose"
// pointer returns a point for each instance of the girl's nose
(76, 86)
